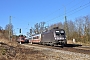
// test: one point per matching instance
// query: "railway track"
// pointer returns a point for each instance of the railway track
(69, 47)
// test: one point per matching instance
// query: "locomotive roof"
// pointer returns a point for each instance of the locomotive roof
(36, 35)
(47, 32)
(53, 30)
(56, 29)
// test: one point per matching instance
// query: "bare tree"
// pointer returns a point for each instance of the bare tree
(36, 28)
(83, 28)
(1, 28)
(65, 24)
(42, 27)
(86, 28)
(72, 29)
(60, 25)
(9, 28)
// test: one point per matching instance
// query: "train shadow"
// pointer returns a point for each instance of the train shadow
(72, 45)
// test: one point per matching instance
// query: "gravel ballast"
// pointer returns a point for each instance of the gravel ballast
(54, 54)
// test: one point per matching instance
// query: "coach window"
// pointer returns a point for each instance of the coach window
(34, 37)
(37, 37)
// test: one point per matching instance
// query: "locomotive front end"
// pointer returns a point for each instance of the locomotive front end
(60, 37)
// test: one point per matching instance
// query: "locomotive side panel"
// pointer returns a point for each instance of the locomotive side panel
(47, 37)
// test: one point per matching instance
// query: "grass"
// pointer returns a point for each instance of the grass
(3, 52)
(10, 43)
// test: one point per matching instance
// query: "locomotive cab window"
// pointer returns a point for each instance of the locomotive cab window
(62, 33)
(58, 33)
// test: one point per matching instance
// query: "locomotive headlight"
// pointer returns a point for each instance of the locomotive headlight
(65, 38)
(61, 38)
(55, 38)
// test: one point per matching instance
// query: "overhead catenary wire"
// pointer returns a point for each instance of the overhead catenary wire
(57, 10)
(82, 6)
(60, 9)
(79, 10)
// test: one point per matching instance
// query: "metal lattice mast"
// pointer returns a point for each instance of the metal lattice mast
(66, 25)
(10, 31)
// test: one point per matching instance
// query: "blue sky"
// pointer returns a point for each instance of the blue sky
(24, 12)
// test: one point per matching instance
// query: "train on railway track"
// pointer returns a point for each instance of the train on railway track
(22, 39)
(51, 37)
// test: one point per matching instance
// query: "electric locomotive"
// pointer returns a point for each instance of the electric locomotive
(54, 37)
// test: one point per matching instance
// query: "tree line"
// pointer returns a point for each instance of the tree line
(78, 29)
(6, 32)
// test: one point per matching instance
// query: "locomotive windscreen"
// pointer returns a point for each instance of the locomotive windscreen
(59, 32)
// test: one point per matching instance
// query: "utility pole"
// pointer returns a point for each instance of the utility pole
(66, 25)
(10, 31)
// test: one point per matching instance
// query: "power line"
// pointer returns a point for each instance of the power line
(75, 11)
(57, 10)
(71, 11)
(79, 7)
(79, 10)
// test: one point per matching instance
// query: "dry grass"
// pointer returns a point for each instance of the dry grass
(69, 42)
(4, 40)
(14, 51)
(20, 53)
(13, 43)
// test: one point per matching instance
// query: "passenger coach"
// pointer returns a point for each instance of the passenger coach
(36, 38)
